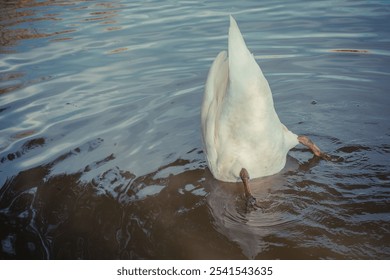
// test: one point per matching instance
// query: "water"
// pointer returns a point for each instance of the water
(100, 148)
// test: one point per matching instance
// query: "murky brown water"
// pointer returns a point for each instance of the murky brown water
(100, 148)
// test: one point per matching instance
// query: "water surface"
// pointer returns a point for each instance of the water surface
(100, 148)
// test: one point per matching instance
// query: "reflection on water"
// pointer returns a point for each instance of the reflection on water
(100, 150)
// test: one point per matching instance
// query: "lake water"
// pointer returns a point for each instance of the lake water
(100, 147)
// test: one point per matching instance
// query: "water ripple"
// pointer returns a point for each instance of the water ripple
(100, 149)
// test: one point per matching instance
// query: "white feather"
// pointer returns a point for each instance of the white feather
(240, 127)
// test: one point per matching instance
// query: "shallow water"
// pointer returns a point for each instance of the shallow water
(100, 148)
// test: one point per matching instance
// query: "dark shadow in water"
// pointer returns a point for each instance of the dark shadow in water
(116, 215)
(180, 211)
(251, 230)
(172, 213)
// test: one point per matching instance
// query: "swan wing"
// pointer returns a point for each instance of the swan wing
(215, 90)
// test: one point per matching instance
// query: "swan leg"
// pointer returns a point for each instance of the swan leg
(250, 199)
(313, 147)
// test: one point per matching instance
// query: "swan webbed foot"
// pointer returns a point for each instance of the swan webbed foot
(304, 140)
(251, 202)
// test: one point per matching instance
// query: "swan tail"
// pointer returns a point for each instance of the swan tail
(243, 66)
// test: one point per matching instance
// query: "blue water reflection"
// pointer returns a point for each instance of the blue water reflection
(100, 149)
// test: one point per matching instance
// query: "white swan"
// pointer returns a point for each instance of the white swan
(242, 133)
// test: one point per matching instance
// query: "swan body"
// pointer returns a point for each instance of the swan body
(240, 127)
